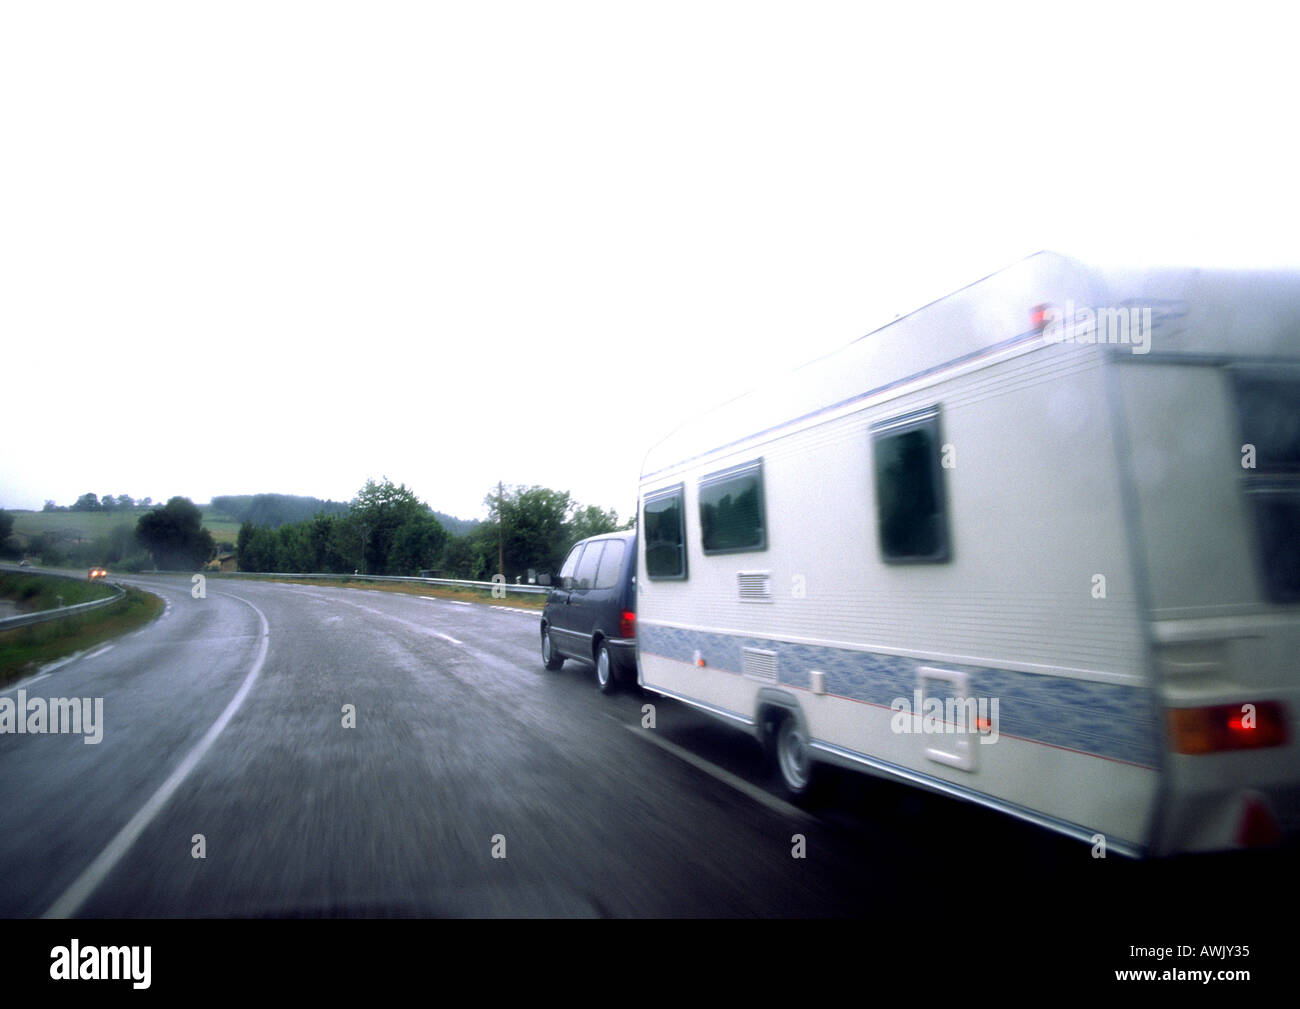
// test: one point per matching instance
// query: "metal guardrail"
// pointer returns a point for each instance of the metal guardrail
(59, 612)
(535, 590)
(449, 582)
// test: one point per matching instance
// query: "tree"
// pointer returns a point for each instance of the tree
(322, 532)
(378, 511)
(49, 547)
(255, 548)
(174, 535)
(86, 503)
(532, 521)
(538, 525)
(591, 521)
(6, 529)
(417, 545)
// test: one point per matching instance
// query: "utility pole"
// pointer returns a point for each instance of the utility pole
(501, 533)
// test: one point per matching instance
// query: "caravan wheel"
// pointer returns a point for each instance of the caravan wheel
(793, 758)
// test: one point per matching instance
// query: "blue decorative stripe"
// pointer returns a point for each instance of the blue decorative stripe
(1104, 719)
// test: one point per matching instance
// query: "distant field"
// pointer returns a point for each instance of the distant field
(222, 526)
(89, 525)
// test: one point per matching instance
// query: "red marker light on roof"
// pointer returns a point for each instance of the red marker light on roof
(1040, 315)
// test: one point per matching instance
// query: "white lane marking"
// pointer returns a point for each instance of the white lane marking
(724, 776)
(95, 873)
(459, 602)
(516, 609)
(30, 679)
(51, 667)
(405, 623)
(46, 670)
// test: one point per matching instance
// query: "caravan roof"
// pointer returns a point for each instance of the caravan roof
(992, 317)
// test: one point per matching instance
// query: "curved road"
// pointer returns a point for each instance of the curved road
(224, 718)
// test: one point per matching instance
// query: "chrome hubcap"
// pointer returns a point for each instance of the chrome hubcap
(793, 749)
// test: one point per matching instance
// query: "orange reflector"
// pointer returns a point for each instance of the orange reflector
(1223, 727)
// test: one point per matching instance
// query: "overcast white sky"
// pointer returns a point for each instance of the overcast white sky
(284, 247)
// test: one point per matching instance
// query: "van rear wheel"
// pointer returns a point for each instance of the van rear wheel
(552, 660)
(605, 678)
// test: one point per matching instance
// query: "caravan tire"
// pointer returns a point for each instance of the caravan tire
(796, 770)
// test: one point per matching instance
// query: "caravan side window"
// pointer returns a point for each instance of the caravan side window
(911, 508)
(665, 534)
(731, 510)
(1268, 410)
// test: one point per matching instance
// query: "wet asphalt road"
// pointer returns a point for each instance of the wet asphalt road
(224, 718)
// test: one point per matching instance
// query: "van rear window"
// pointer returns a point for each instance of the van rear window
(911, 512)
(665, 534)
(611, 564)
(585, 577)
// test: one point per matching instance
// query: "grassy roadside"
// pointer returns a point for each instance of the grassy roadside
(33, 593)
(24, 649)
(532, 602)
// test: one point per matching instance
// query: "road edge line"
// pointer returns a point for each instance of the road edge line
(94, 874)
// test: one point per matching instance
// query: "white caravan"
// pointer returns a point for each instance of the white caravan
(1036, 545)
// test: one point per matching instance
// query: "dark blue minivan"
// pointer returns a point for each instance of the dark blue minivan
(590, 612)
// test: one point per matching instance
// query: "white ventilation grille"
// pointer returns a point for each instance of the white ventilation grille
(755, 586)
(758, 664)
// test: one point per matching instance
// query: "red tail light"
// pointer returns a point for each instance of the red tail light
(1227, 727)
(627, 624)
